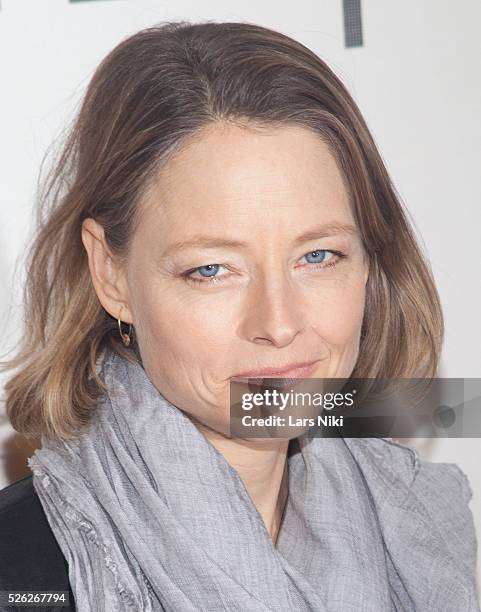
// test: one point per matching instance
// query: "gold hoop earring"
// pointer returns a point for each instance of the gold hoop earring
(125, 337)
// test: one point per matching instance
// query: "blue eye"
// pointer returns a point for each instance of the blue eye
(210, 270)
(206, 274)
(317, 256)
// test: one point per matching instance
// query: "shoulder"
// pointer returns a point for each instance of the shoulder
(446, 478)
(31, 558)
(424, 503)
(446, 492)
(16, 492)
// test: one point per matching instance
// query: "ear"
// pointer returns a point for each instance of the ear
(108, 277)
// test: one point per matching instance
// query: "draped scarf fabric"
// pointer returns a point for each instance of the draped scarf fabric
(150, 516)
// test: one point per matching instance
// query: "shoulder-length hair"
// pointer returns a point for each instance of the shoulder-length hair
(149, 95)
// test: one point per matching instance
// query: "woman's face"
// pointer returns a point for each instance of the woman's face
(235, 266)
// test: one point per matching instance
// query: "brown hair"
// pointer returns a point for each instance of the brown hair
(152, 93)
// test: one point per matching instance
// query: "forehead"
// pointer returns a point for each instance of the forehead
(228, 171)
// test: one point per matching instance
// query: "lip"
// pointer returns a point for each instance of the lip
(295, 370)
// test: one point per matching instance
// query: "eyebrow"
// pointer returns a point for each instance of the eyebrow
(212, 242)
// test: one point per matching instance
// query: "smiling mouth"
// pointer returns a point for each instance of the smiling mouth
(276, 377)
(278, 380)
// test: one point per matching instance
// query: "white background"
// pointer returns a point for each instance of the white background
(416, 81)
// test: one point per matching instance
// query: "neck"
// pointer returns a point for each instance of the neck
(262, 467)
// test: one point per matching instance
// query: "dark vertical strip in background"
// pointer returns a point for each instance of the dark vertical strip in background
(352, 23)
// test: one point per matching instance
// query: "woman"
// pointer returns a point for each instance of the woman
(220, 210)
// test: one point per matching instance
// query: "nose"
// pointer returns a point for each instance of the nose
(273, 311)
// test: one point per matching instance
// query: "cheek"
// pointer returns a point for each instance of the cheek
(184, 331)
(338, 314)
(182, 350)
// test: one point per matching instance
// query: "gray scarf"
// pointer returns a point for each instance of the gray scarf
(150, 516)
